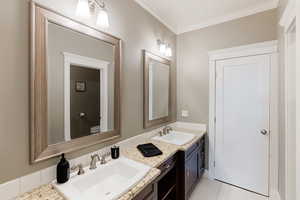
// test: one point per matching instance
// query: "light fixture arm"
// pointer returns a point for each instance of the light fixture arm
(96, 3)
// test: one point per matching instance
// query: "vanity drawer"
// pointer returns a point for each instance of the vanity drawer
(168, 165)
(146, 194)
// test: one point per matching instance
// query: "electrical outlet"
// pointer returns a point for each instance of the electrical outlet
(184, 113)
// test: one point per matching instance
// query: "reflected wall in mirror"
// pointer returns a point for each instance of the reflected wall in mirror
(159, 80)
(75, 85)
(157, 90)
(80, 85)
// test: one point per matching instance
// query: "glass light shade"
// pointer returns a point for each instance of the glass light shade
(102, 19)
(169, 52)
(83, 9)
(162, 48)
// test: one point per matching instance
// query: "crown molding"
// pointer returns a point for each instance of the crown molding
(210, 22)
(235, 15)
(289, 15)
(152, 11)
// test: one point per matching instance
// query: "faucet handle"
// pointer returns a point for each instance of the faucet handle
(102, 160)
(78, 167)
(95, 156)
(94, 159)
(160, 133)
(107, 154)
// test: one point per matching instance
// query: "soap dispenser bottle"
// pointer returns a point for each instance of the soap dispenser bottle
(63, 170)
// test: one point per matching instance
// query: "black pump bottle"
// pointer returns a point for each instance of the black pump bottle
(63, 170)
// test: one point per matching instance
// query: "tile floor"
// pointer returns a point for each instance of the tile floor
(214, 190)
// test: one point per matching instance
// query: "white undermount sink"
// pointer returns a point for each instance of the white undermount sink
(107, 182)
(175, 137)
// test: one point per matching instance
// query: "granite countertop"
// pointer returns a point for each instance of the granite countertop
(48, 192)
(167, 149)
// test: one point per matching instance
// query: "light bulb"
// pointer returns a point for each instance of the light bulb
(83, 9)
(102, 19)
(169, 52)
(162, 48)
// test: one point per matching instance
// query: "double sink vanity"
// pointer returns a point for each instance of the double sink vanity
(170, 176)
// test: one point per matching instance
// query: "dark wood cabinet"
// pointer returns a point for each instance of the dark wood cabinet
(201, 157)
(149, 193)
(179, 175)
(165, 187)
(191, 170)
(192, 163)
(167, 184)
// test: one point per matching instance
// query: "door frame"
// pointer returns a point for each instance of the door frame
(288, 23)
(264, 48)
(92, 63)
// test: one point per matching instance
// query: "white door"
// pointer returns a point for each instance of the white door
(242, 122)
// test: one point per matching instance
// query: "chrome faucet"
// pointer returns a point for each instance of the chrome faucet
(167, 129)
(80, 169)
(95, 158)
(103, 160)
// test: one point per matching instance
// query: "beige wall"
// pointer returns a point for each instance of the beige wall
(192, 59)
(138, 30)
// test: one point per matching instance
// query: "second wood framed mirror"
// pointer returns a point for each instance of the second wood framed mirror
(157, 90)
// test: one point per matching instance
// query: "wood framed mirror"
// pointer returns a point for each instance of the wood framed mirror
(75, 85)
(157, 90)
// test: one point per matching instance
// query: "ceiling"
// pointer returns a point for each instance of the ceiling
(188, 15)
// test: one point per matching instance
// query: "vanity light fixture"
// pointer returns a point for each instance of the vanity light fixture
(169, 51)
(83, 10)
(102, 19)
(164, 48)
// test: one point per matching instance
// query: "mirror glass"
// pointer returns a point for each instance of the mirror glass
(157, 90)
(159, 81)
(80, 82)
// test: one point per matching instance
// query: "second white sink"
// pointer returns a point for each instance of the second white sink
(107, 182)
(176, 137)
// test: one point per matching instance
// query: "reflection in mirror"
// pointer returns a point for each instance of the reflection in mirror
(85, 111)
(80, 76)
(158, 90)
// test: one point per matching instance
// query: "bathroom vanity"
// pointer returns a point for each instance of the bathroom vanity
(173, 175)
(179, 175)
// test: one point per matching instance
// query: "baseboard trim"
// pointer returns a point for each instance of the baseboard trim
(206, 174)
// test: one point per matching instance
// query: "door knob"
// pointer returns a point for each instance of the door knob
(82, 115)
(264, 132)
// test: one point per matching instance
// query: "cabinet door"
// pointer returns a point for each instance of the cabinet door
(191, 171)
(201, 160)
